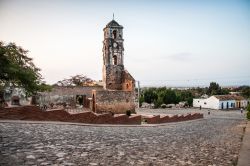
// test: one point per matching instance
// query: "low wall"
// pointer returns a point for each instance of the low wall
(166, 118)
(34, 113)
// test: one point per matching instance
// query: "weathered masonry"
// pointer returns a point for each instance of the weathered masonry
(117, 94)
(118, 91)
(69, 95)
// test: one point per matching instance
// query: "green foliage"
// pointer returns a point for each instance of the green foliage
(150, 95)
(141, 100)
(128, 113)
(169, 97)
(18, 70)
(163, 106)
(248, 115)
(158, 102)
(190, 101)
(248, 111)
(248, 107)
(215, 89)
(245, 91)
(163, 95)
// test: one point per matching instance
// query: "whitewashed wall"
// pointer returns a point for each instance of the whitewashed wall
(210, 102)
(244, 103)
(230, 102)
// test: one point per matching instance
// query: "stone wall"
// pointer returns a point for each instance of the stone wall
(113, 101)
(113, 76)
(60, 94)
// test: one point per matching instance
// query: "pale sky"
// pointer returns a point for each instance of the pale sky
(167, 43)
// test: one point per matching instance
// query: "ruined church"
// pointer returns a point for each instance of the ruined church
(118, 85)
(116, 95)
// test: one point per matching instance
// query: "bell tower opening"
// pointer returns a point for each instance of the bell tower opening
(115, 59)
(114, 34)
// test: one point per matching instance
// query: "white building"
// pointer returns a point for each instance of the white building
(221, 102)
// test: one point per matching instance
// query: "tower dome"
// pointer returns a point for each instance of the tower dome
(113, 23)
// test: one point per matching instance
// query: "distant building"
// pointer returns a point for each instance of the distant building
(221, 102)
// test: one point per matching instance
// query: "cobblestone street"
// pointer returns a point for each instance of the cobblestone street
(214, 140)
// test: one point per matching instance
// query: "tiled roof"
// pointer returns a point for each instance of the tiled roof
(229, 97)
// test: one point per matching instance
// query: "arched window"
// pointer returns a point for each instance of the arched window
(115, 59)
(114, 34)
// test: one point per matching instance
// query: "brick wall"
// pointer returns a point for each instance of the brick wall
(128, 82)
(175, 118)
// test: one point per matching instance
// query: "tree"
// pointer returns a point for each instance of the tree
(169, 97)
(150, 95)
(245, 91)
(213, 89)
(77, 80)
(18, 70)
(248, 111)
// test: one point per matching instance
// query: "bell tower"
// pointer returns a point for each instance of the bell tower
(113, 56)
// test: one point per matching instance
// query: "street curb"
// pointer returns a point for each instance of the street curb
(244, 155)
(95, 125)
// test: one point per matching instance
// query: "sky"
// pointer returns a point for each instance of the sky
(167, 43)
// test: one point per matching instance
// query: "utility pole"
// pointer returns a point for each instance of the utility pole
(138, 94)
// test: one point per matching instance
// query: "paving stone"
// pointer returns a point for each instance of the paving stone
(214, 140)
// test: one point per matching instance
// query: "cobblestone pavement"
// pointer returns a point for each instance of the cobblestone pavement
(229, 114)
(210, 141)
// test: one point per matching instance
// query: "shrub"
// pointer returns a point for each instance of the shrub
(128, 113)
(248, 107)
(248, 115)
(248, 111)
(163, 106)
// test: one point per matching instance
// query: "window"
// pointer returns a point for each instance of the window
(114, 34)
(115, 59)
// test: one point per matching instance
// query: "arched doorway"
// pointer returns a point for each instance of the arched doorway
(115, 34)
(115, 59)
(93, 103)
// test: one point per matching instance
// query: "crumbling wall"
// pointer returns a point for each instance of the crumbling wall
(62, 94)
(128, 82)
(113, 76)
(113, 101)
